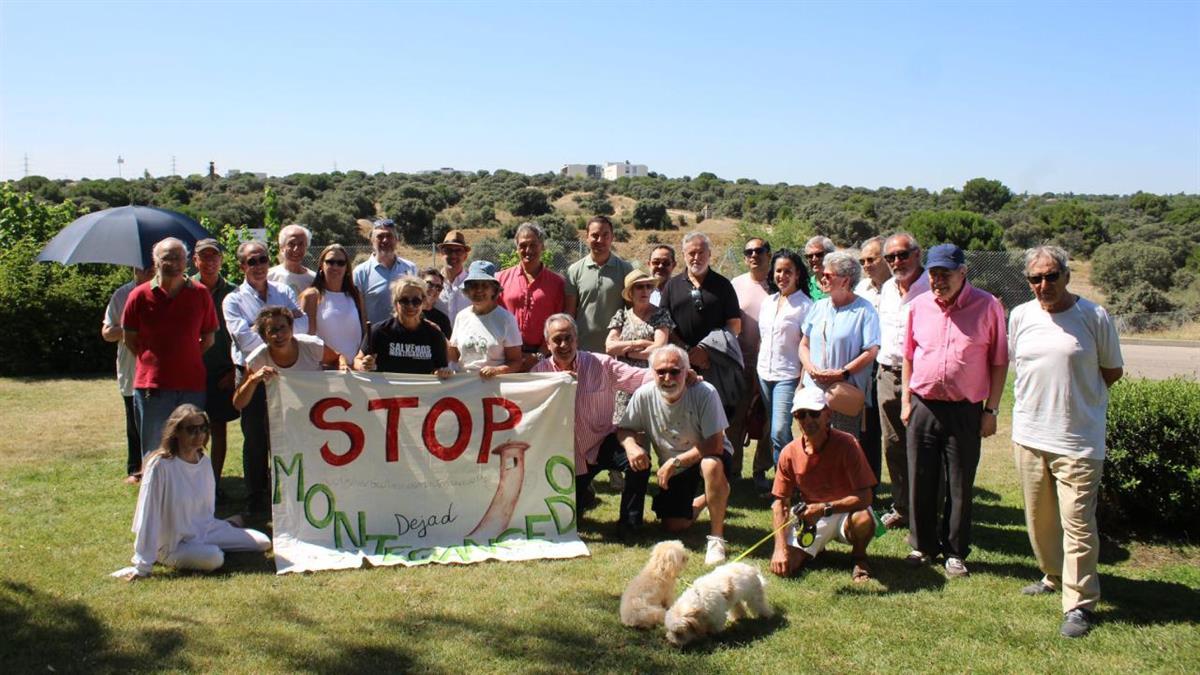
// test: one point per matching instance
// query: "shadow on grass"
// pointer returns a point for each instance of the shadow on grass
(1148, 601)
(45, 633)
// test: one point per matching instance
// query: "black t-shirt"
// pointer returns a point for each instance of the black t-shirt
(415, 352)
(439, 317)
(718, 303)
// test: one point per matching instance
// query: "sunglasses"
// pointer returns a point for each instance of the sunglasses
(195, 429)
(411, 302)
(1037, 279)
(758, 250)
(335, 262)
(257, 260)
(673, 372)
(804, 414)
(814, 256)
(898, 255)
(434, 287)
(697, 299)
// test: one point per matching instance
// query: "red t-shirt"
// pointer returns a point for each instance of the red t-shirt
(838, 470)
(168, 335)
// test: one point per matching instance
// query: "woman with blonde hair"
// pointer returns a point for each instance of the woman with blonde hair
(174, 520)
(333, 304)
(408, 342)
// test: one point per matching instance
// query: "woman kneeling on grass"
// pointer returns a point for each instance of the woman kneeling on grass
(174, 519)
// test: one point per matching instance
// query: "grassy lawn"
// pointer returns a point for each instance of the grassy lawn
(64, 525)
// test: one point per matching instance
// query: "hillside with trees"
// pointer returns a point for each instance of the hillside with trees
(1144, 248)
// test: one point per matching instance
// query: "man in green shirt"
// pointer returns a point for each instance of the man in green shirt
(814, 254)
(594, 285)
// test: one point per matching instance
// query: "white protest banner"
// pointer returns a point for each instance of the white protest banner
(409, 470)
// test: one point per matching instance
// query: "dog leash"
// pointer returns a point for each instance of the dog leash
(791, 519)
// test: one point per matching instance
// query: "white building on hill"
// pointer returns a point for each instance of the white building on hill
(581, 171)
(615, 170)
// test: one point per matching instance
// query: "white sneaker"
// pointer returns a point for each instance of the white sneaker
(715, 552)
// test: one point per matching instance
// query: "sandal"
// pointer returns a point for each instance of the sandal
(861, 573)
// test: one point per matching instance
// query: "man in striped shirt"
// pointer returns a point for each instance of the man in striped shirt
(597, 377)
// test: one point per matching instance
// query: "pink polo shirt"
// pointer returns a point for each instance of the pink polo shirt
(532, 303)
(597, 376)
(953, 348)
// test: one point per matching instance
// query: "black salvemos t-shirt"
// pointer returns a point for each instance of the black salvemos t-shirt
(718, 304)
(415, 352)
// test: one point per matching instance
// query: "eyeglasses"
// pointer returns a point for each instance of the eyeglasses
(757, 250)
(814, 256)
(434, 287)
(804, 414)
(335, 262)
(195, 429)
(1037, 279)
(410, 302)
(673, 372)
(898, 255)
(257, 260)
(697, 299)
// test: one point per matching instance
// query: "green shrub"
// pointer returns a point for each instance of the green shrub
(1152, 475)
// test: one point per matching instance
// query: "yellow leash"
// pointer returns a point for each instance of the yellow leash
(762, 541)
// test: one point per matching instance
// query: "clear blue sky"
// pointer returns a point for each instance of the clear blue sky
(1064, 97)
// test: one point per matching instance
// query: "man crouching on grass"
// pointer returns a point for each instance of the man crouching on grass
(686, 425)
(827, 467)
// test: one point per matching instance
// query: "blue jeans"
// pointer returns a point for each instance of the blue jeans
(154, 406)
(777, 400)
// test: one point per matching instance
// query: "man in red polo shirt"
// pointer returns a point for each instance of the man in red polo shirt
(168, 322)
(829, 471)
(955, 364)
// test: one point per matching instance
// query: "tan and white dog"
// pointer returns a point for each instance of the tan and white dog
(723, 595)
(646, 598)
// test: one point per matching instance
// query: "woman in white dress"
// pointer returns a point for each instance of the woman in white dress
(174, 520)
(333, 304)
(486, 337)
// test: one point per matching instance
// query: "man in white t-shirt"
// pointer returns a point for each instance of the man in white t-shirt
(1066, 354)
(111, 331)
(291, 272)
(686, 427)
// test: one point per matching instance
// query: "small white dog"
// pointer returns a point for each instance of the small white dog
(647, 597)
(722, 595)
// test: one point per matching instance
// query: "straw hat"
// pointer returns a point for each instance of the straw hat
(633, 279)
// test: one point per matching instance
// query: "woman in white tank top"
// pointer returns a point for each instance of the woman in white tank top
(333, 305)
(281, 351)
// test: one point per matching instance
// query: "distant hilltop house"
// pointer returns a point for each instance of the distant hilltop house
(609, 171)
(444, 171)
(261, 175)
(615, 170)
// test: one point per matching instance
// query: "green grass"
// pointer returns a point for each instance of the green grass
(64, 525)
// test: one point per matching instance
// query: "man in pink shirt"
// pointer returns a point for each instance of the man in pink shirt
(751, 289)
(597, 376)
(531, 291)
(955, 363)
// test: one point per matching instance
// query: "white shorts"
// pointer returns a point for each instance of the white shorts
(833, 527)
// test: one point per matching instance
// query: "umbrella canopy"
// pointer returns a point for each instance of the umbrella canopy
(122, 236)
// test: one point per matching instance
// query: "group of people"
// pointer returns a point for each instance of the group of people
(876, 358)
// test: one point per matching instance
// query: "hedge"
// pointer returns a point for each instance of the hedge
(1152, 475)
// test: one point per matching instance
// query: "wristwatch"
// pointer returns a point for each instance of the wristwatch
(828, 510)
(994, 412)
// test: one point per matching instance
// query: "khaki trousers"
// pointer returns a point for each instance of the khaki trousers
(1060, 512)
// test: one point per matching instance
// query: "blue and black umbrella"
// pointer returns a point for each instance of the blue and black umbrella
(122, 236)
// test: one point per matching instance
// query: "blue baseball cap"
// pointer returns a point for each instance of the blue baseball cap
(947, 256)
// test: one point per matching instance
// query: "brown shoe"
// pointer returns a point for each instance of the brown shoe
(861, 573)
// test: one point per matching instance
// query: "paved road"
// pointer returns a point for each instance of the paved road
(1161, 361)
